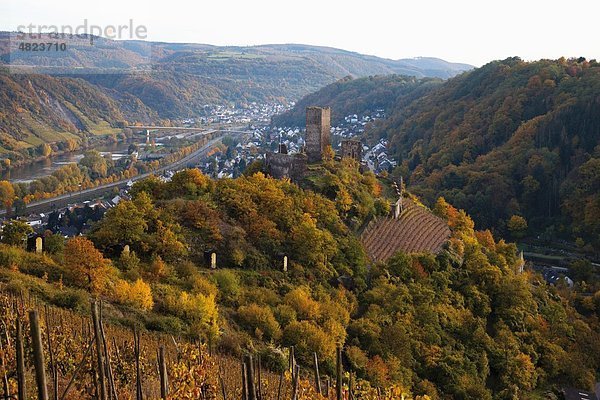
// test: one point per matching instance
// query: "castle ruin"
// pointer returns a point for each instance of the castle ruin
(318, 129)
(283, 165)
(352, 149)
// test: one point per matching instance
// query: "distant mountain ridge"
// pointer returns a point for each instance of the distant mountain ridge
(177, 79)
(106, 54)
(115, 81)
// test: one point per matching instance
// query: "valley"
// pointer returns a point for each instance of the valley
(348, 226)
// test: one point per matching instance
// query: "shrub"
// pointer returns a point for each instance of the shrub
(307, 338)
(73, 299)
(229, 285)
(285, 314)
(273, 358)
(260, 320)
(200, 284)
(301, 301)
(138, 294)
(165, 323)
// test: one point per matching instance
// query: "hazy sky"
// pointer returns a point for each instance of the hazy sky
(474, 32)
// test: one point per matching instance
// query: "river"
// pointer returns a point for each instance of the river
(39, 169)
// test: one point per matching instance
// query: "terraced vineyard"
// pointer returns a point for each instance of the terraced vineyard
(47, 352)
(416, 230)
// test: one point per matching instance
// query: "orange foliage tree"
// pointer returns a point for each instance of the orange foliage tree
(85, 265)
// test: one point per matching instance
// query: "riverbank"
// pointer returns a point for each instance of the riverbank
(212, 139)
(38, 167)
(91, 142)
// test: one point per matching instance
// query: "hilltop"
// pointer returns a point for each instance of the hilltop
(511, 138)
(461, 323)
(359, 96)
(37, 110)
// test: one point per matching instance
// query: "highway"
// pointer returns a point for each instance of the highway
(47, 205)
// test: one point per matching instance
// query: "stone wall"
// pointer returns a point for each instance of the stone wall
(281, 166)
(352, 149)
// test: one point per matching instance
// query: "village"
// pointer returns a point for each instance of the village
(264, 137)
(232, 157)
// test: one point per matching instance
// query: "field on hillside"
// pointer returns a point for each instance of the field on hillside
(131, 361)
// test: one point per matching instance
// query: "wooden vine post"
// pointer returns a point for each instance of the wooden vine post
(99, 355)
(338, 382)
(162, 369)
(38, 355)
(21, 385)
(317, 377)
(250, 378)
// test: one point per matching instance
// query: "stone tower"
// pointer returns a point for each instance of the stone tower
(318, 127)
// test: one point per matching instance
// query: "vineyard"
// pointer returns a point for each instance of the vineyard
(49, 353)
(416, 230)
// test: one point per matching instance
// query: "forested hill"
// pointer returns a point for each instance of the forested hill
(176, 80)
(37, 110)
(359, 96)
(461, 324)
(510, 138)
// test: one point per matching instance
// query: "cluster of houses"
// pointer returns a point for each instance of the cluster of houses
(554, 275)
(232, 162)
(352, 127)
(75, 218)
(237, 114)
(377, 158)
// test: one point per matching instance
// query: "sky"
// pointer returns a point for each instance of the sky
(473, 32)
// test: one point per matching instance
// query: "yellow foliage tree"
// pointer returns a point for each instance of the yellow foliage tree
(138, 294)
(301, 301)
(7, 194)
(202, 313)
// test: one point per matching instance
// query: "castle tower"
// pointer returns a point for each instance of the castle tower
(318, 127)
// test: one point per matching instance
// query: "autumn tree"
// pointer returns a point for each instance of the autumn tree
(95, 163)
(7, 194)
(189, 182)
(517, 226)
(137, 294)
(85, 265)
(45, 149)
(302, 302)
(260, 321)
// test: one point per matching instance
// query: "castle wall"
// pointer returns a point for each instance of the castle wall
(281, 166)
(352, 149)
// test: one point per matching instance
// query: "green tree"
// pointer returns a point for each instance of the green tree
(96, 164)
(54, 243)
(124, 224)
(15, 232)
